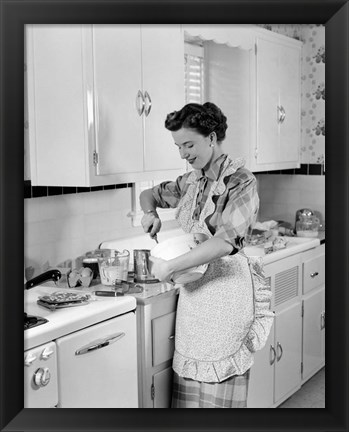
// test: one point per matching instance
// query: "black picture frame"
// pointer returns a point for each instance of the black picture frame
(14, 15)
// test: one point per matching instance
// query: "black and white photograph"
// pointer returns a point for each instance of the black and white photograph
(174, 220)
(174, 217)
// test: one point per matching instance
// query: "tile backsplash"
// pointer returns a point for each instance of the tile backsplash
(58, 229)
(281, 195)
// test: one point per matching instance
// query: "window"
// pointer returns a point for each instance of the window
(194, 73)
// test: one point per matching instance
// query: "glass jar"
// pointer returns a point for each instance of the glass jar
(307, 226)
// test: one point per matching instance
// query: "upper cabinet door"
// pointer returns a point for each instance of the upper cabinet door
(117, 83)
(278, 103)
(290, 100)
(164, 91)
(56, 97)
(267, 102)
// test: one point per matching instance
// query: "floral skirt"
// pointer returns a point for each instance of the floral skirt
(231, 393)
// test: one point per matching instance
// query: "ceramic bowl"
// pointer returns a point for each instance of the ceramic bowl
(176, 246)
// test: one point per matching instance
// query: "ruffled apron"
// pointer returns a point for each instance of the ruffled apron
(223, 317)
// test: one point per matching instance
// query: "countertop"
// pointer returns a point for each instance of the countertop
(68, 320)
(321, 236)
(294, 245)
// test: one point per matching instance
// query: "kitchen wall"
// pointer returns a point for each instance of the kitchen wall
(59, 226)
(281, 195)
(58, 229)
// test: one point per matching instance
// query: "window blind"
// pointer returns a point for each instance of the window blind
(194, 76)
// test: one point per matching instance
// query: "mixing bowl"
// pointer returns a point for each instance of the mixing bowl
(176, 246)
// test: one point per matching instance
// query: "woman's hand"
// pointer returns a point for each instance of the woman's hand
(151, 223)
(160, 269)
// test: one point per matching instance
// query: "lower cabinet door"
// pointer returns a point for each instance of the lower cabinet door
(288, 346)
(261, 385)
(313, 332)
(162, 388)
(163, 330)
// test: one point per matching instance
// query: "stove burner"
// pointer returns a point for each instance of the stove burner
(33, 321)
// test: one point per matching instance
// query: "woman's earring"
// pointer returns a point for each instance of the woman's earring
(212, 144)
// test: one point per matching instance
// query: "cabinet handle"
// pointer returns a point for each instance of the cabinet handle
(171, 337)
(278, 346)
(148, 109)
(281, 113)
(272, 355)
(322, 321)
(138, 97)
(312, 275)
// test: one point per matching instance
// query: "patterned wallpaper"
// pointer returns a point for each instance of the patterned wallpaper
(313, 87)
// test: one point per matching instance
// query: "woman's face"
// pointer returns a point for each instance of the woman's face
(194, 147)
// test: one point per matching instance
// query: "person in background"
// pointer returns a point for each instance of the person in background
(223, 317)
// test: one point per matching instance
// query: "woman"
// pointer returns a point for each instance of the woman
(224, 317)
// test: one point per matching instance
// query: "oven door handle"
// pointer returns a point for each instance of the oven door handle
(99, 344)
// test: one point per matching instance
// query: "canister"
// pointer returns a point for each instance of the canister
(92, 263)
(142, 268)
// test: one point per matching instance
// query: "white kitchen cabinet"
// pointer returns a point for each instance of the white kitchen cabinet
(313, 333)
(288, 347)
(98, 96)
(276, 372)
(162, 388)
(254, 76)
(261, 385)
(313, 312)
(156, 318)
(278, 102)
(295, 350)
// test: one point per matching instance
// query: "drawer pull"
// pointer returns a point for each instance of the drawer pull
(312, 275)
(171, 337)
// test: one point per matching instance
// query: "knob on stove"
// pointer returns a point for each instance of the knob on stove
(42, 377)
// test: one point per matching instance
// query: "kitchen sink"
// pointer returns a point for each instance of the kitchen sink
(294, 245)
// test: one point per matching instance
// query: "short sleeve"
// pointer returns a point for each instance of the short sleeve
(168, 193)
(240, 210)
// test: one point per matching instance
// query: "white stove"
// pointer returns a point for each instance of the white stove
(83, 356)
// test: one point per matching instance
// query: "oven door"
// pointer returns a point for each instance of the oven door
(40, 377)
(97, 366)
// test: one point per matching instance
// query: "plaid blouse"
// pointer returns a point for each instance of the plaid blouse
(235, 210)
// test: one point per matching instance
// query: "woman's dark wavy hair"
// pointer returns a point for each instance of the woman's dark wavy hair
(205, 119)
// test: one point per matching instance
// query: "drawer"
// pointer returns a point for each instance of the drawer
(313, 273)
(163, 330)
